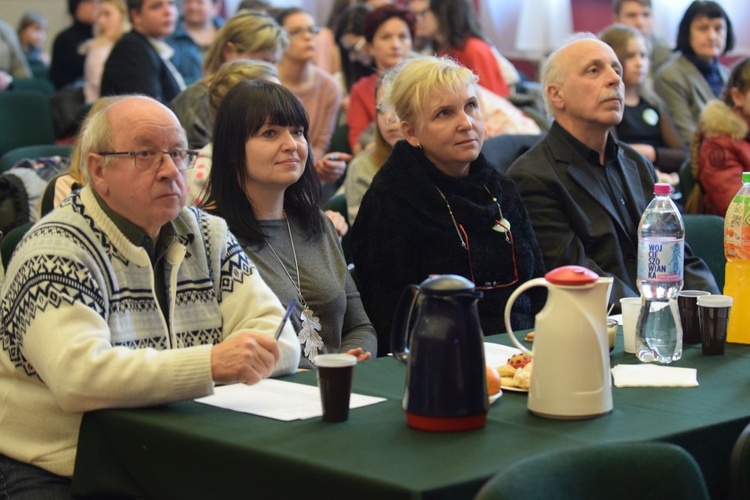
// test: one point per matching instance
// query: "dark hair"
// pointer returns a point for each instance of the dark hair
(242, 113)
(134, 5)
(709, 9)
(457, 21)
(352, 21)
(377, 17)
(339, 6)
(739, 78)
(281, 14)
(254, 5)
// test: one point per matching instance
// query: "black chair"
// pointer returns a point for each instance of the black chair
(705, 235)
(739, 467)
(502, 150)
(618, 471)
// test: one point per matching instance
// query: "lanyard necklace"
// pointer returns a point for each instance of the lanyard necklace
(502, 225)
(308, 335)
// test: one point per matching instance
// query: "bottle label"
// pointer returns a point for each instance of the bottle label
(737, 229)
(660, 259)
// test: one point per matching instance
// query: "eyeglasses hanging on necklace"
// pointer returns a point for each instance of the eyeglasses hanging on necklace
(501, 225)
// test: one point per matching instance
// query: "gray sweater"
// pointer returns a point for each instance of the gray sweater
(327, 286)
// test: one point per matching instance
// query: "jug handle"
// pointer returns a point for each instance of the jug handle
(509, 305)
(401, 320)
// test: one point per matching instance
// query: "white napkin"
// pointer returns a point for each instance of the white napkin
(647, 375)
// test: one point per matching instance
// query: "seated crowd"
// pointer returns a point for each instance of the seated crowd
(192, 211)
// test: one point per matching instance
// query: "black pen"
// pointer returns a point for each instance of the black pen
(288, 313)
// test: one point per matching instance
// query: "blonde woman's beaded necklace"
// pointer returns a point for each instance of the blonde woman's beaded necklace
(309, 337)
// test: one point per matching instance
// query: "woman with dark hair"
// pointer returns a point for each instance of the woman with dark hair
(355, 63)
(388, 32)
(264, 184)
(455, 31)
(689, 81)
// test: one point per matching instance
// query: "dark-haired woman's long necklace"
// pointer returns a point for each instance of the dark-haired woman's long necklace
(308, 336)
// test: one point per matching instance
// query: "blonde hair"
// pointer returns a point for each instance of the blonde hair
(248, 32)
(125, 25)
(415, 79)
(234, 72)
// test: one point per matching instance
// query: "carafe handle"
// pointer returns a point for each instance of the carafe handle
(401, 320)
(509, 305)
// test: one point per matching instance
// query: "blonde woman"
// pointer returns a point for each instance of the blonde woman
(247, 35)
(438, 207)
(111, 23)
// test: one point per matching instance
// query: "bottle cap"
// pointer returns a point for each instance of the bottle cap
(745, 177)
(662, 189)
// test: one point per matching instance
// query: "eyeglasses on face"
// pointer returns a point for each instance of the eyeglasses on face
(313, 30)
(151, 159)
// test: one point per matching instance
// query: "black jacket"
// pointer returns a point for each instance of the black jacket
(404, 233)
(134, 67)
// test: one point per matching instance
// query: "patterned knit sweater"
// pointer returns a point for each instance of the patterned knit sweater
(81, 328)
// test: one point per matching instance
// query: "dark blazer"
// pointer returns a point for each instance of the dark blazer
(134, 67)
(575, 221)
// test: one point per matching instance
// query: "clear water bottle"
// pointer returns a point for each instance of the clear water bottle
(737, 252)
(661, 243)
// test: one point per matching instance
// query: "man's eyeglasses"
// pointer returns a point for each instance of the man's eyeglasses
(313, 30)
(149, 159)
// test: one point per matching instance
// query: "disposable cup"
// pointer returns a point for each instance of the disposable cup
(713, 313)
(631, 309)
(687, 302)
(335, 373)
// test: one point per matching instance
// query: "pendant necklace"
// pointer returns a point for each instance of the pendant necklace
(308, 336)
(502, 225)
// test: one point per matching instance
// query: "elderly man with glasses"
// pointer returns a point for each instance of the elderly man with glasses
(123, 297)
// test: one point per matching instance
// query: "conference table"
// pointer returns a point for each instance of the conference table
(191, 450)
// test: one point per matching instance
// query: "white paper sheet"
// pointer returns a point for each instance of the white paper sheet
(277, 399)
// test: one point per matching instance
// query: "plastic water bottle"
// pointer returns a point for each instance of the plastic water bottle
(661, 243)
(737, 252)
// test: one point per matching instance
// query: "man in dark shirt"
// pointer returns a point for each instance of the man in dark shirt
(67, 60)
(140, 61)
(585, 191)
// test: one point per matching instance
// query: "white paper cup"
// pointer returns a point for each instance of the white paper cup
(631, 309)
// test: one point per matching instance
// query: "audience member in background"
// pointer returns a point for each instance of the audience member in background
(111, 23)
(423, 30)
(67, 60)
(192, 37)
(264, 184)
(687, 82)
(366, 164)
(327, 56)
(437, 206)
(350, 38)
(584, 190)
(637, 14)
(318, 91)
(721, 147)
(140, 61)
(224, 80)
(122, 297)
(646, 125)
(32, 33)
(455, 31)
(75, 177)
(388, 32)
(247, 35)
(12, 61)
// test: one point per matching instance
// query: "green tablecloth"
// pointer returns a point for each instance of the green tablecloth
(189, 450)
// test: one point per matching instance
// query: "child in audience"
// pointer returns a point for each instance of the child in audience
(32, 32)
(646, 124)
(721, 148)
